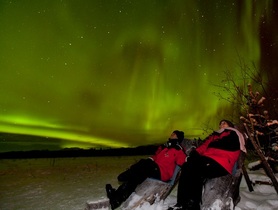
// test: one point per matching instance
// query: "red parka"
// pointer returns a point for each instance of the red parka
(223, 146)
(167, 158)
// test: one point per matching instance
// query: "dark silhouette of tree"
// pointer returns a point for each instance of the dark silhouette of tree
(233, 89)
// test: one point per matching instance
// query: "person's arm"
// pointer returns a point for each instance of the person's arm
(202, 148)
(228, 141)
(159, 149)
(181, 157)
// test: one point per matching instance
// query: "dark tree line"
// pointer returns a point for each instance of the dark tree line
(76, 152)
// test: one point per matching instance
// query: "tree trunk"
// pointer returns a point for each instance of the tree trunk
(266, 166)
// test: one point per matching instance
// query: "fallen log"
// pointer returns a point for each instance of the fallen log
(223, 192)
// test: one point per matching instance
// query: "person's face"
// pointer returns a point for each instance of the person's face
(223, 124)
(173, 136)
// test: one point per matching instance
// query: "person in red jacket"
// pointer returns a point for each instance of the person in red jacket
(159, 166)
(216, 157)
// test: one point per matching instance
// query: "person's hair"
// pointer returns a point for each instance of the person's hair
(228, 122)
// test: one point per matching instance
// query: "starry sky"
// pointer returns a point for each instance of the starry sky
(118, 73)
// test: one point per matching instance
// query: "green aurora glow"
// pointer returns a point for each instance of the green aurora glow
(107, 73)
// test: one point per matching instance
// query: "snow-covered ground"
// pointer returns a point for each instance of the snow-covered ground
(68, 183)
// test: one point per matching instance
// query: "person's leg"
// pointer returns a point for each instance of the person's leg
(137, 174)
(126, 175)
(132, 171)
(190, 184)
(189, 187)
(193, 174)
(151, 169)
(121, 194)
(140, 171)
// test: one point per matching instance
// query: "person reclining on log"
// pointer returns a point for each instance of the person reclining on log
(216, 157)
(159, 166)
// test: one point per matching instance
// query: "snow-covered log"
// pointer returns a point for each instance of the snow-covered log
(223, 192)
(151, 190)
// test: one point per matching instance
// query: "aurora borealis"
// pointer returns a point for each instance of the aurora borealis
(108, 73)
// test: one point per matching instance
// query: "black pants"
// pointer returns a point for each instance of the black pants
(193, 174)
(136, 174)
(140, 171)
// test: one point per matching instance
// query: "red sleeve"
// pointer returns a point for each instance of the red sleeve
(202, 148)
(159, 149)
(181, 157)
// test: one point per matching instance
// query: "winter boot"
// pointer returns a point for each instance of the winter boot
(110, 190)
(115, 202)
(191, 205)
(120, 195)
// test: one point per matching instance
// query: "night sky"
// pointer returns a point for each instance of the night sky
(118, 73)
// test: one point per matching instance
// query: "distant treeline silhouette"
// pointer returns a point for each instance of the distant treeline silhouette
(77, 152)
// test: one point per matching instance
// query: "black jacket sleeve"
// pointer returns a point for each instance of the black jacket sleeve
(229, 142)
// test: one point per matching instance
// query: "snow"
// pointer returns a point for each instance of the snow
(68, 183)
